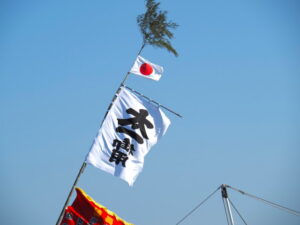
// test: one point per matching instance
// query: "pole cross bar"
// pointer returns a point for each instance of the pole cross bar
(152, 101)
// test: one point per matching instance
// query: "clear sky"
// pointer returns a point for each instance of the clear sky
(236, 82)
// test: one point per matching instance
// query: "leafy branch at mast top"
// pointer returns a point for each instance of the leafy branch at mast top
(155, 28)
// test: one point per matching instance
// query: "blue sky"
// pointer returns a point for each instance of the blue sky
(236, 82)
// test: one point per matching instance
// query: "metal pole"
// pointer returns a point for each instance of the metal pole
(81, 170)
(226, 213)
(226, 205)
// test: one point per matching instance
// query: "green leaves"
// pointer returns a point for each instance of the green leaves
(155, 28)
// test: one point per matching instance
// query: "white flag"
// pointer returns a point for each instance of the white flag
(143, 67)
(132, 126)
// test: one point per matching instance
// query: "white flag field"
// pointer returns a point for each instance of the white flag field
(147, 69)
(132, 126)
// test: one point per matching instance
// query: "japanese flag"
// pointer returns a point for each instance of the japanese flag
(144, 68)
(132, 126)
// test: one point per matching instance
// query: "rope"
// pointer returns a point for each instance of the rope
(237, 211)
(194, 209)
(291, 211)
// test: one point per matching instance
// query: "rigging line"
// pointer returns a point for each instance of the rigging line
(237, 211)
(291, 211)
(194, 209)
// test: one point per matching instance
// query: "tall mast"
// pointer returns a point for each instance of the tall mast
(227, 205)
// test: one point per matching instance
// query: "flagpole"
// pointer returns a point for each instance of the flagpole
(81, 170)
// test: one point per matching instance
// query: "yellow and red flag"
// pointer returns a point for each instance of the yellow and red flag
(85, 211)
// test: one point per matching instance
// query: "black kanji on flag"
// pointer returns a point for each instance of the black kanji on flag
(125, 144)
(139, 121)
(117, 155)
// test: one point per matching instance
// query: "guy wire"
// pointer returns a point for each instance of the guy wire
(194, 209)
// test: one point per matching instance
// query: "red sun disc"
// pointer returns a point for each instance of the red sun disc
(146, 69)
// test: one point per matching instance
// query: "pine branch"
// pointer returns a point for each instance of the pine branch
(155, 28)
